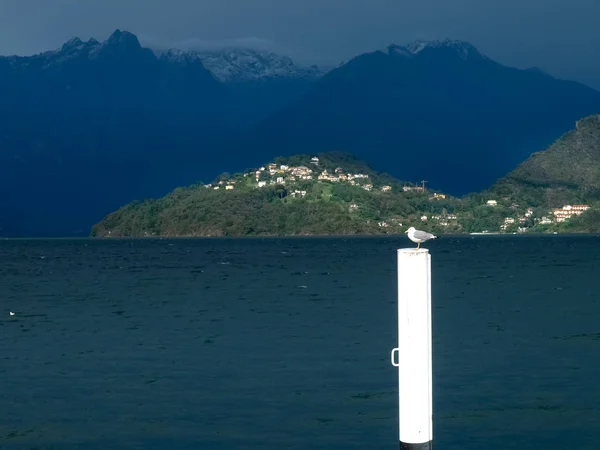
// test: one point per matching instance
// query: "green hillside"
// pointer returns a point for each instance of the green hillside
(297, 195)
(567, 172)
(557, 189)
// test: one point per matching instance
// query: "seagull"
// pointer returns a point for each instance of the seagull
(11, 313)
(419, 236)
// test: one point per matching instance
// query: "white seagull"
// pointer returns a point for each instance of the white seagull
(419, 236)
(11, 313)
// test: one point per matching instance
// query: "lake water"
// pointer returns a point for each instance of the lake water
(285, 343)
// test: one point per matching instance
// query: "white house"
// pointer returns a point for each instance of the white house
(567, 211)
(298, 193)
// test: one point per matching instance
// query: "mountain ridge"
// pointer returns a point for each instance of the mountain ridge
(462, 49)
(91, 112)
(238, 64)
(96, 124)
(403, 111)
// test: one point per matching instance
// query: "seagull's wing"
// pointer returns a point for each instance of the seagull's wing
(423, 235)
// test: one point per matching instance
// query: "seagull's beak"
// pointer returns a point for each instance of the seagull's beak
(406, 231)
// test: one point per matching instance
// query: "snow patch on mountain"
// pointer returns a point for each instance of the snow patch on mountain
(239, 65)
(461, 49)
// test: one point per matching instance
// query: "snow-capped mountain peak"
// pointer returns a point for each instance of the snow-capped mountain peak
(461, 49)
(239, 64)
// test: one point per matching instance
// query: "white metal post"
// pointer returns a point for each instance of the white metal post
(414, 349)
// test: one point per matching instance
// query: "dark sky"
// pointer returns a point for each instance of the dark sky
(559, 36)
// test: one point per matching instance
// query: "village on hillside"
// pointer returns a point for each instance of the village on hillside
(285, 175)
(291, 176)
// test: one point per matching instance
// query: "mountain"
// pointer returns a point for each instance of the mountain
(438, 110)
(259, 82)
(335, 193)
(92, 125)
(238, 65)
(567, 172)
(327, 193)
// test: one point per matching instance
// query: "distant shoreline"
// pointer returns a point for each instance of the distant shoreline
(306, 236)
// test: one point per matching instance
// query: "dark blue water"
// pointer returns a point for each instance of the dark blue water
(284, 343)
